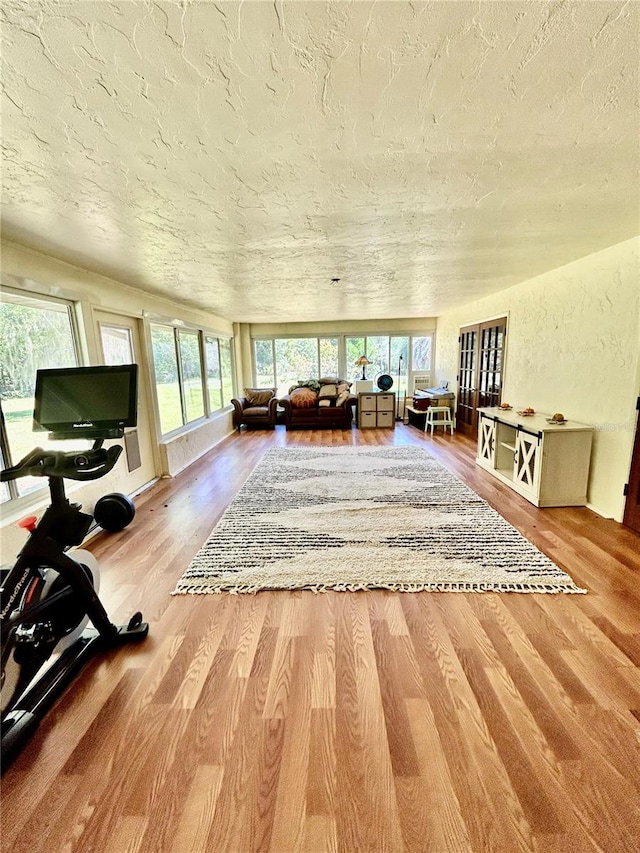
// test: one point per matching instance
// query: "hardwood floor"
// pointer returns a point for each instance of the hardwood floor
(369, 721)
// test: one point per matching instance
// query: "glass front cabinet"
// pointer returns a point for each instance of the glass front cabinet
(546, 463)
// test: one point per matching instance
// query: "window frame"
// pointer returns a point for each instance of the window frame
(342, 337)
(203, 335)
(36, 300)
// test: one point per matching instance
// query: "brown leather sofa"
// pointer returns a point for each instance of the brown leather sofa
(318, 417)
(258, 408)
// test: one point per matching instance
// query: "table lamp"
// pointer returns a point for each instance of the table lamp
(363, 361)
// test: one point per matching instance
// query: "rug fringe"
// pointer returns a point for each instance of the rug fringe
(252, 589)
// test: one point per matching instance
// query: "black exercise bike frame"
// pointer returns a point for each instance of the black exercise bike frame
(62, 525)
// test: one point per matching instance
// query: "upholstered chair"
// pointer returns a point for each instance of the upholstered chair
(258, 408)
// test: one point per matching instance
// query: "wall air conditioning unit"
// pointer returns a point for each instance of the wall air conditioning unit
(422, 382)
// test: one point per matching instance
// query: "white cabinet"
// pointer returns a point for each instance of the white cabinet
(546, 463)
(377, 410)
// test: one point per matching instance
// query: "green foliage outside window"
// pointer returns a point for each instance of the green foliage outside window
(191, 363)
(34, 334)
(226, 369)
(180, 391)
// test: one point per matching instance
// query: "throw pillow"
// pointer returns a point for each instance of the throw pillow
(342, 397)
(258, 396)
(308, 383)
(328, 391)
(328, 380)
(303, 398)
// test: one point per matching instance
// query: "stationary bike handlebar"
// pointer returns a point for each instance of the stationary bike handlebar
(73, 465)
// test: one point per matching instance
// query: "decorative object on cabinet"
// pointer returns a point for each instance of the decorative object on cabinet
(376, 410)
(547, 463)
(363, 386)
(362, 362)
(384, 382)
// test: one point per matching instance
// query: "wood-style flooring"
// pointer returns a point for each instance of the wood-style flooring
(369, 721)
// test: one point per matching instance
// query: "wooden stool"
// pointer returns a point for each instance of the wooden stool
(438, 416)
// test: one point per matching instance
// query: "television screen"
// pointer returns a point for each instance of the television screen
(86, 401)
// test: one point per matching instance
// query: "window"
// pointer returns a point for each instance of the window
(165, 367)
(214, 383)
(329, 357)
(219, 372)
(281, 362)
(226, 368)
(383, 351)
(188, 385)
(265, 364)
(35, 333)
(117, 344)
(191, 375)
(422, 347)
(296, 360)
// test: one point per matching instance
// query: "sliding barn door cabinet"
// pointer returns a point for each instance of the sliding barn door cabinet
(548, 464)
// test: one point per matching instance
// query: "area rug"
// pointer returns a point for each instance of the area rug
(352, 518)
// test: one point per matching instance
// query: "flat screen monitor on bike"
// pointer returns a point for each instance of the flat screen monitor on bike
(86, 402)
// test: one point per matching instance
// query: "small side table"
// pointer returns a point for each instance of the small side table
(438, 416)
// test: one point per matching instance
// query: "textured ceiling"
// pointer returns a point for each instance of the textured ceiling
(238, 156)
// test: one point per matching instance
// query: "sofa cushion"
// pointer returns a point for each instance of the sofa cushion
(258, 396)
(303, 398)
(256, 412)
(328, 391)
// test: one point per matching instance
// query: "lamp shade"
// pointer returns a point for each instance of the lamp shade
(362, 362)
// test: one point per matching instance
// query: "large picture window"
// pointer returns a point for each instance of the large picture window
(387, 354)
(35, 333)
(193, 374)
(281, 362)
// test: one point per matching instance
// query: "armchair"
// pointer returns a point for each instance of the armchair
(257, 408)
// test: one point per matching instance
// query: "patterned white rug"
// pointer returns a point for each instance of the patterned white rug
(350, 518)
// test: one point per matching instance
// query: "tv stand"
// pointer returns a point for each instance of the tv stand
(548, 464)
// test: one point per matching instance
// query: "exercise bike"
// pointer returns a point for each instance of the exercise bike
(51, 594)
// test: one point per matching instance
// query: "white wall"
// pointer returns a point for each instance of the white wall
(36, 273)
(573, 345)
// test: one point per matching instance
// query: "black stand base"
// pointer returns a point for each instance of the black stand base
(20, 723)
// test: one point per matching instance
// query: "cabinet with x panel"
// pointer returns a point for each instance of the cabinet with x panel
(547, 463)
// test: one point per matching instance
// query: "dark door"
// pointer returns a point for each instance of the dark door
(632, 506)
(480, 364)
(466, 416)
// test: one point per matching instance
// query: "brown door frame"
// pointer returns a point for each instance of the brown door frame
(473, 365)
(631, 517)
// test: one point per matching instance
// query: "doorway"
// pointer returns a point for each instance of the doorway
(480, 367)
(631, 517)
(119, 342)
